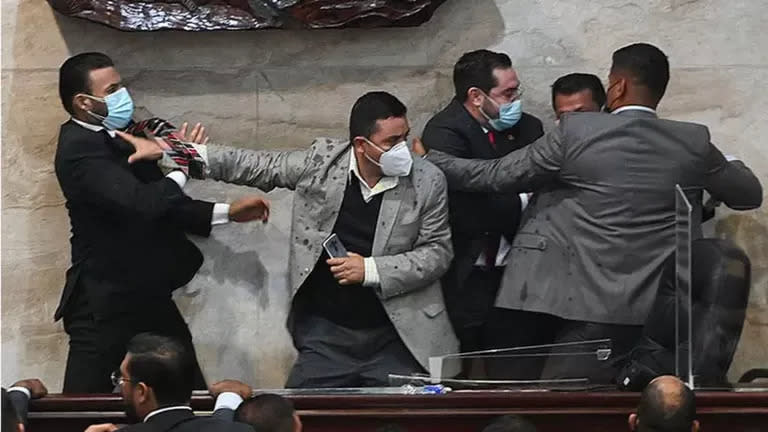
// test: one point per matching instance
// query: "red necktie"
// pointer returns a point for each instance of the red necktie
(492, 139)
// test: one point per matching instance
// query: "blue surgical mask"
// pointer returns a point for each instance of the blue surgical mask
(119, 109)
(509, 114)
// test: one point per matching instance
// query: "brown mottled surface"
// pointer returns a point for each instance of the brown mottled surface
(201, 15)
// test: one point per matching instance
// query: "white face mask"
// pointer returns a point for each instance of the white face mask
(395, 162)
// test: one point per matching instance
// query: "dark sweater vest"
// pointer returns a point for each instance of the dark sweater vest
(351, 306)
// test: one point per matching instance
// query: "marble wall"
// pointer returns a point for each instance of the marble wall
(279, 89)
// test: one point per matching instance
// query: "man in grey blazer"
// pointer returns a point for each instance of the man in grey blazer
(380, 310)
(587, 259)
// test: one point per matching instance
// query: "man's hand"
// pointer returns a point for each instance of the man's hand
(249, 209)
(418, 147)
(197, 135)
(104, 427)
(35, 386)
(349, 270)
(146, 149)
(243, 390)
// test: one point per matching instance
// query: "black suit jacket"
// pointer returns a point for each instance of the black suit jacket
(186, 421)
(128, 223)
(475, 216)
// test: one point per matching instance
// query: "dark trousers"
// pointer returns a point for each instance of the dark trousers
(508, 328)
(472, 306)
(97, 346)
(334, 356)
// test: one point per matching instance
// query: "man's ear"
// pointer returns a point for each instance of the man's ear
(80, 101)
(632, 422)
(143, 392)
(475, 96)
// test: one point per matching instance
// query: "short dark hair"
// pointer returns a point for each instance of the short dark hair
(266, 413)
(647, 65)
(657, 413)
(164, 365)
(475, 69)
(10, 416)
(370, 108)
(510, 423)
(74, 75)
(576, 82)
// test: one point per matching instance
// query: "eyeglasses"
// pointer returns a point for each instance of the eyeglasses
(117, 379)
(513, 95)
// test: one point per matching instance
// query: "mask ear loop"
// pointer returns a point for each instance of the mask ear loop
(98, 117)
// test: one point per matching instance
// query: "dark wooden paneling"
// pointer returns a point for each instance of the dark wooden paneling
(459, 411)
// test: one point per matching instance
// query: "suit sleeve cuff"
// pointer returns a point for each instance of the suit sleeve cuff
(21, 389)
(179, 177)
(220, 214)
(228, 400)
(371, 278)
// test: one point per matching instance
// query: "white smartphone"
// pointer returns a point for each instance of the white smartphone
(334, 247)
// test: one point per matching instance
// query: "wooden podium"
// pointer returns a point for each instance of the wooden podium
(455, 412)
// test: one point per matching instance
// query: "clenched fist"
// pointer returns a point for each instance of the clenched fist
(249, 209)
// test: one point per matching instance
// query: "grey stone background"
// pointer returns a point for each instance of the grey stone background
(279, 89)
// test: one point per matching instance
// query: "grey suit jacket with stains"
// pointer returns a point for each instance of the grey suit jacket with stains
(602, 222)
(412, 246)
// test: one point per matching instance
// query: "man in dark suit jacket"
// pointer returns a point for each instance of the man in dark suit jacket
(129, 248)
(589, 254)
(155, 380)
(479, 124)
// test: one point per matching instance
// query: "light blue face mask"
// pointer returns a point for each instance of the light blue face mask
(509, 114)
(119, 109)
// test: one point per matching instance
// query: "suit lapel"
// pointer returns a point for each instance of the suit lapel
(390, 207)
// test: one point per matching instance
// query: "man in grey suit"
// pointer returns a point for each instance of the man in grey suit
(587, 259)
(380, 310)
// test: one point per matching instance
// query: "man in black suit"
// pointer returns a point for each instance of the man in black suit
(129, 249)
(484, 121)
(155, 380)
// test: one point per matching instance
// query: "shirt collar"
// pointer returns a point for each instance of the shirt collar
(93, 127)
(162, 410)
(384, 184)
(634, 107)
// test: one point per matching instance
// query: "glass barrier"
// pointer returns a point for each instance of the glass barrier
(683, 239)
(713, 281)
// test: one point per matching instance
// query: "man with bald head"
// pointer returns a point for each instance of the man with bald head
(667, 405)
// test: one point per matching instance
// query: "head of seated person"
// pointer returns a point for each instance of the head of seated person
(510, 423)
(577, 92)
(269, 413)
(157, 372)
(666, 405)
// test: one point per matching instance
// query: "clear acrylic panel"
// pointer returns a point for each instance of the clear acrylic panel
(579, 365)
(683, 298)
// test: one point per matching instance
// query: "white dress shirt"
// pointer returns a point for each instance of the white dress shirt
(220, 210)
(371, 276)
